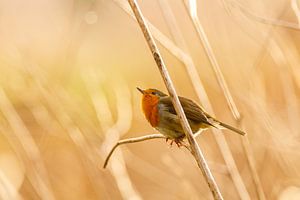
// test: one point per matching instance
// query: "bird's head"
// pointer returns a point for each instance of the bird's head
(150, 100)
(151, 93)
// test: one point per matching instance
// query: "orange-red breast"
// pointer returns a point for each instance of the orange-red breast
(161, 114)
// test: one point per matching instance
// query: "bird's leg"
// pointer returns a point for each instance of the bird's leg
(167, 139)
(178, 141)
(171, 143)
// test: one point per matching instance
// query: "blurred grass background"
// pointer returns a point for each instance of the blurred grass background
(67, 94)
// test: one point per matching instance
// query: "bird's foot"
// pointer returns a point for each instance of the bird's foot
(178, 142)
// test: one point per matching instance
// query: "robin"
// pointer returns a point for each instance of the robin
(161, 114)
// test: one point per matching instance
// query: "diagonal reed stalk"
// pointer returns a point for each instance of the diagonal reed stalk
(242, 11)
(296, 9)
(201, 93)
(183, 57)
(195, 149)
(283, 51)
(269, 21)
(233, 108)
(195, 79)
(113, 130)
(35, 167)
(186, 59)
(7, 189)
(63, 118)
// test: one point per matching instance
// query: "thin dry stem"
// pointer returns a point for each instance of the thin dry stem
(220, 168)
(264, 20)
(284, 53)
(214, 63)
(281, 58)
(195, 149)
(279, 49)
(67, 123)
(7, 189)
(192, 71)
(181, 55)
(35, 167)
(187, 189)
(295, 7)
(113, 130)
(131, 140)
(233, 108)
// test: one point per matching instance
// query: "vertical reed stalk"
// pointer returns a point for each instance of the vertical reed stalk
(195, 149)
(201, 93)
(233, 108)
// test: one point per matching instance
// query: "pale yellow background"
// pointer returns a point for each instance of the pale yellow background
(68, 72)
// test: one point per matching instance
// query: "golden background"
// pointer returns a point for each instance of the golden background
(68, 72)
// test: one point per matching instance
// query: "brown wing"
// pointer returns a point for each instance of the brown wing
(192, 111)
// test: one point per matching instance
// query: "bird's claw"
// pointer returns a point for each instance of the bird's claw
(177, 141)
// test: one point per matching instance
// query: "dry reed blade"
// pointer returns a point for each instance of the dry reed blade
(287, 57)
(284, 53)
(181, 55)
(7, 189)
(177, 52)
(264, 20)
(290, 53)
(233, 108)
(113, 130)
(187, 189)
(276, 23)
(63, 118)
(295, 7)
(191, 69)
(198, 86)
(195, 149)
(35, 166)
(278, 55)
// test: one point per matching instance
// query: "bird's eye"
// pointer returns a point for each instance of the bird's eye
(154, 93)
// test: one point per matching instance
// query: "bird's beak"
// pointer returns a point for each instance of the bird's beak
(139, 89)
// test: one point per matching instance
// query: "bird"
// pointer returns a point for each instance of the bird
(161, 114)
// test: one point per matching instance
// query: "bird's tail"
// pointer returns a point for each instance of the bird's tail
(221, 125)
(232, 128)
